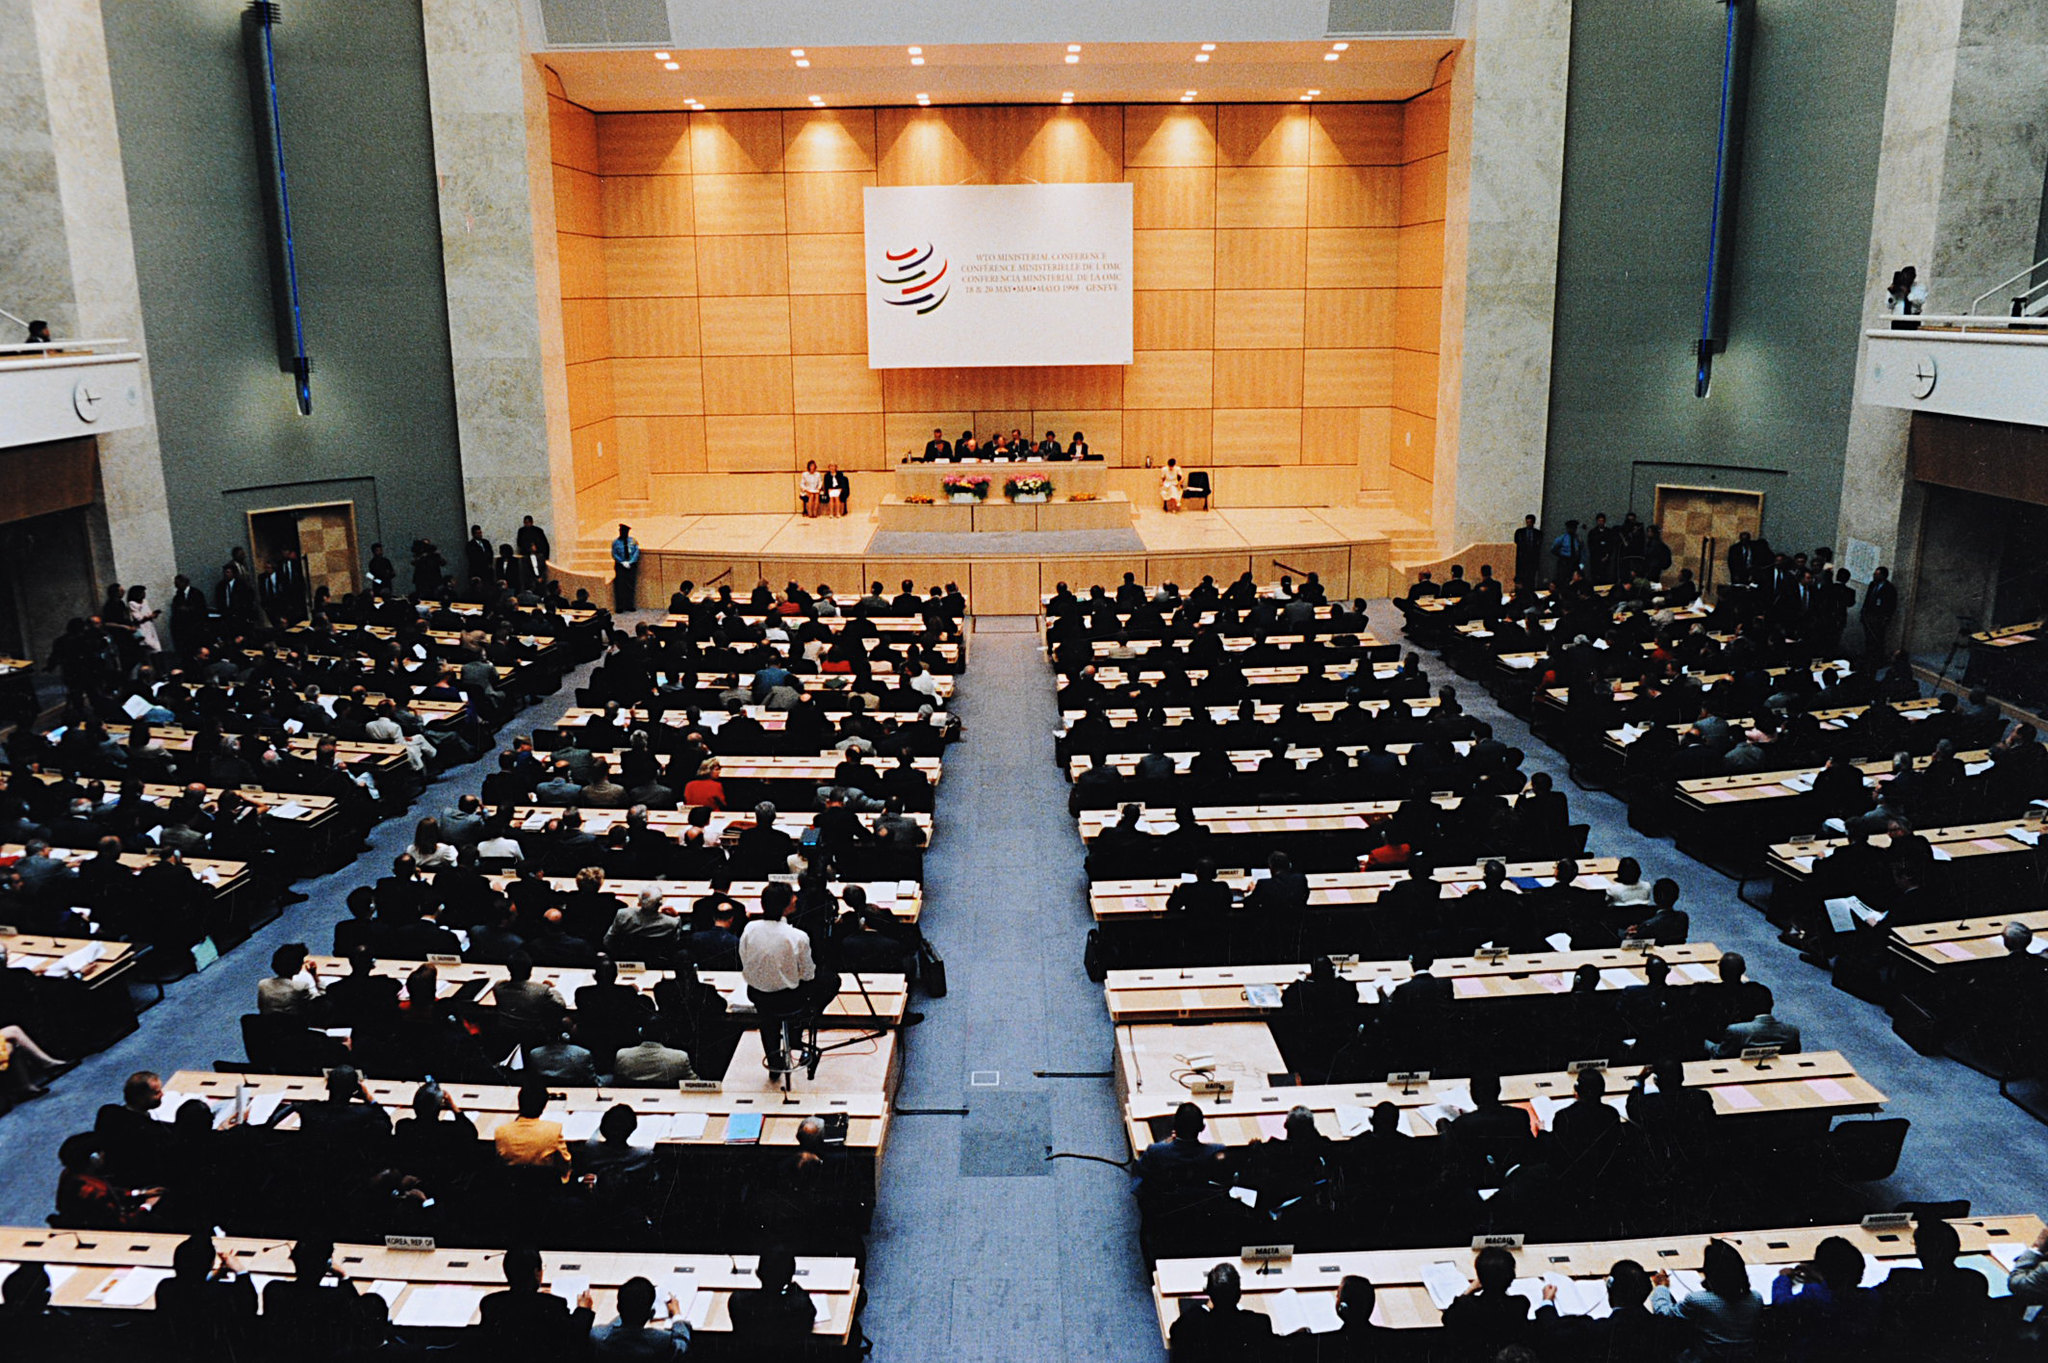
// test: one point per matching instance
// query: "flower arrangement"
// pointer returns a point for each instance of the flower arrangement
(918, 499)
(973, 485)
(1029, 485)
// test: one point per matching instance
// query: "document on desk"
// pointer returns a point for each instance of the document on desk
(440, 1307)
(1316, 1312)
(687, 1126)
(289, 809)
(1831, 1090)
(134, 1286)
(1617, 979)
(390, 1289)
(59, 1273)
(1445, 1283)
(1351, 1121)
(1696, 971)
(581, 1126)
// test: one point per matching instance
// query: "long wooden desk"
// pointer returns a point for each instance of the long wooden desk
(710, 720)
(1245, 759)
(1112, 674)
(1619, 741)
(119, 1270)
(1154, 1078)
(1404, 1302)
(223, 877)
(307, 812)
(384, 757)
(1224, 993)
(1794, 862)
(1706, 793)
(1958, 942)
(815, 770)
(862, 999)
(1123, 900)
(1232, 643)
(858, 1082)
(91, 961)
(1268, 712)
(724, 822)
(902, 898)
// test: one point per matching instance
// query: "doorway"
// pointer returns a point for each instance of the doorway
(324, 535)
(1700, 523)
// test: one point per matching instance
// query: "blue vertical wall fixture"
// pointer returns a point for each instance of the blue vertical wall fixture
(1735, 42)
(259, 50)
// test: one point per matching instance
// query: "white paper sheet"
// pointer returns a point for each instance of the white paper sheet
(1444, 1281)
(440, 1307)
(129, 1287)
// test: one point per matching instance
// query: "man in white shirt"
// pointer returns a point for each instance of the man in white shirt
(782, 980)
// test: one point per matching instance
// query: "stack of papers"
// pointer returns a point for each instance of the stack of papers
(1352, 1120)
(1291, 1313)
(75, 963)
(1803, 781)
(289, 809)
(1976, 768)
(1445, 1282)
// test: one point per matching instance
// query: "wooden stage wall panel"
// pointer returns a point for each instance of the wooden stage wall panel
(1013, 584)
(1288, 270)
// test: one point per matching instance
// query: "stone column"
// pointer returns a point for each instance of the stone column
(1505, 186)
(498, 255)
(1959, 198)
(74, 257)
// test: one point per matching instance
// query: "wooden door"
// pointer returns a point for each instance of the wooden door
(1700, 523)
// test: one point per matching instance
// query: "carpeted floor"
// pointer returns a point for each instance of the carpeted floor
(1121, 541)
(980, 1242)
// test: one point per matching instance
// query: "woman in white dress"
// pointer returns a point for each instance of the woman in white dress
(1170, 483)
(812, 485)
(142, 619)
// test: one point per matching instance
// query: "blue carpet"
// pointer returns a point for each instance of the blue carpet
(1049, 1260)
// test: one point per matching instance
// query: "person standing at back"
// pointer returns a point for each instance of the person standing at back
(625, 570)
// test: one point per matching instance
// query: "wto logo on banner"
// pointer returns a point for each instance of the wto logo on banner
(914, 280)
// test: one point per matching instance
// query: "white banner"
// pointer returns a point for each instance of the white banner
(981, 275)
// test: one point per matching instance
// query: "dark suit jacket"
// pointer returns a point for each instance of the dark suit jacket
(534, 1325)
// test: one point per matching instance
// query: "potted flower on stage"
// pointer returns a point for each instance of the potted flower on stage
(1032, 487)
(966, 487)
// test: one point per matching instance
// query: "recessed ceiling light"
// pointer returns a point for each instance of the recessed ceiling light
(917, 52)
(661, 56)
(796, 52)
(1340, 47)
(1329, 56)
(1313, 93)
(1073, 47)
(673, 66)
(801, 62)
(1305, 99)
(1073, 59)
(1067, 97)
(1208, 47)
(917, 61)
(1201, 56)
(924, 99)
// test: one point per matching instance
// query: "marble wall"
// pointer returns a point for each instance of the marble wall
(1964, 152)
(504, 308)
(73, 253)
(1507, 110)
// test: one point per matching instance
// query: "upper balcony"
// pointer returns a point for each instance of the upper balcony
(67, 389)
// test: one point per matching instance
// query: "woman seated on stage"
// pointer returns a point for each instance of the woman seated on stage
(838, 491)
(1170, 484)
(812, 486)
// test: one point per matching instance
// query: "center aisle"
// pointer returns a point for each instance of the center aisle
(982, 1248)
